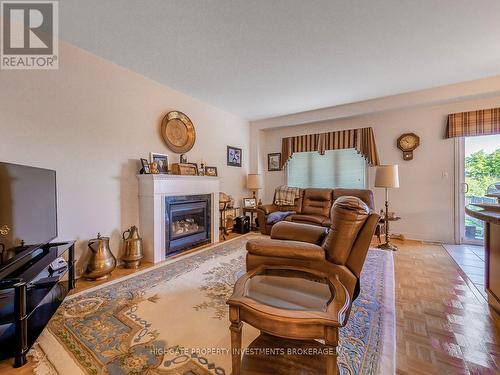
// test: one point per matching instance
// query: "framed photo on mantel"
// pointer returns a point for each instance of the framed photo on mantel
(211, 171)
(161, 160)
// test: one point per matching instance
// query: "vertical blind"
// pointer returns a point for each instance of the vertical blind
(336, 168)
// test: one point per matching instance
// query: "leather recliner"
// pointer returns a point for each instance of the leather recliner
(340, 250)
(312, 206)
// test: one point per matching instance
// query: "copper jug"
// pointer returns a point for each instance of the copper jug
(132, 248)
(102, 261)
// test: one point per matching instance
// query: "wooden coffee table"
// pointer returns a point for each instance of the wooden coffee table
(291, 303)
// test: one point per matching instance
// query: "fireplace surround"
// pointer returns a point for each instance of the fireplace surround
(163, 200)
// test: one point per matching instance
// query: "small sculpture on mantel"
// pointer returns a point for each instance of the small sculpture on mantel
(154, 168)
(201, 171)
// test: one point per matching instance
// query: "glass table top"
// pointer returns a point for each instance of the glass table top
(290, 292)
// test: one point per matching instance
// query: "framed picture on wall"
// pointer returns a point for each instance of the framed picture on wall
(161, 160)
(274, 162)
(234, 156)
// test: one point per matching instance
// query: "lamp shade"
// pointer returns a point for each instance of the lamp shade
(254, 182)
(387, 176)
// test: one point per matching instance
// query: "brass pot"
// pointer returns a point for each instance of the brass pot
(132, 248)
(102, 261)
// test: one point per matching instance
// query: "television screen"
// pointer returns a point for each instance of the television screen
(28, 207)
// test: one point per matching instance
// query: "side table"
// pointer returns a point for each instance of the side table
(384, 223)
(291, 303)
(252, 211)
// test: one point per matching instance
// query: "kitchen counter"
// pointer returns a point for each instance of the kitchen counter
(490, 214)
(486, 212)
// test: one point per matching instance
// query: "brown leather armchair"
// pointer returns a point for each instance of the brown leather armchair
(340, 250)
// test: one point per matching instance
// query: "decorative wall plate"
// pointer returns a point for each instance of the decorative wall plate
(178, 132)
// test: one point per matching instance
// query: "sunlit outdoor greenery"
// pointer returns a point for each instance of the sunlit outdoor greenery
(483, 170)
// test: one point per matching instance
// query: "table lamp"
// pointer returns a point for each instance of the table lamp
(387, 176)
(254, 183)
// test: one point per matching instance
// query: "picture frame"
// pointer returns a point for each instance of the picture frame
(145, 166)
(211, 171)
(161, 160)
(250, 202)
(234, 156)
(195, 166)
(188, 169)
(274, 162)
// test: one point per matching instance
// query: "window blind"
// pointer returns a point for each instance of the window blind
(336, 168)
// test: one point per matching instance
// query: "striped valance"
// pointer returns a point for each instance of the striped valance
(362, 140)
(466, 124)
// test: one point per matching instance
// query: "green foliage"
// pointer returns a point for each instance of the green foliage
(482, 170)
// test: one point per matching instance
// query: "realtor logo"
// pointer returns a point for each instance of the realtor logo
(29, 35)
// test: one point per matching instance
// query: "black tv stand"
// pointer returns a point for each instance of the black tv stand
(30, 293)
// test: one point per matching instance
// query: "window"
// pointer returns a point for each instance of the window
(336, 168)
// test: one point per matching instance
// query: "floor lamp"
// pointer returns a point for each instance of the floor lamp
(387, 176)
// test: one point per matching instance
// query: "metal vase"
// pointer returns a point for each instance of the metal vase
(102, 261)
(132, 248)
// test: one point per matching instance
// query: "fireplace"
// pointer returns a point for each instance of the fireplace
(159, 194)
(187, 222)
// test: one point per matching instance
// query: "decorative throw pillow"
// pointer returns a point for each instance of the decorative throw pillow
(274, 217)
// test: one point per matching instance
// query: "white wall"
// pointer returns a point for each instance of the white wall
(92, 120)
(425, 199)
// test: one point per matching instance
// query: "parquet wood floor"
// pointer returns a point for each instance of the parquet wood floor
(443, 325)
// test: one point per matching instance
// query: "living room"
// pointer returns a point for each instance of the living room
(235, 104)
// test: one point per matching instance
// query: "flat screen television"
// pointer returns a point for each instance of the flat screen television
(28, 208)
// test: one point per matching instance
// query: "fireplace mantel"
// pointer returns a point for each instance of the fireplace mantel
(153, 188)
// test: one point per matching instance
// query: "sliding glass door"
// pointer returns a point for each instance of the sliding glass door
(479, 170)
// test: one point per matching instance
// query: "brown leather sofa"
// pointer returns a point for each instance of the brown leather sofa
(312, 206)
(340, 250)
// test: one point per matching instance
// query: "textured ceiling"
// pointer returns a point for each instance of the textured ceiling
(266, 58)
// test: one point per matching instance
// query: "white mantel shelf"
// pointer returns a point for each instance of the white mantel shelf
(175, 177)
(153, 188)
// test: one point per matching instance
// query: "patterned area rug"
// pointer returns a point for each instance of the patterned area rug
(173, 319)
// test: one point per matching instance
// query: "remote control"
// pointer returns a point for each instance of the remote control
(57, 265)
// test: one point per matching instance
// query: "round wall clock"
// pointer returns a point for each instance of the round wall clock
(178, 132)
(407, 143)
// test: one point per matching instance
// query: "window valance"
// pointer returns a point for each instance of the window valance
(362, 140)
(466, 124)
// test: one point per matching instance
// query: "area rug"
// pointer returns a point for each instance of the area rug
(172, 319)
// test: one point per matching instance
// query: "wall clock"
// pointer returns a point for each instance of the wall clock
(407, 143)
(178, 132)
